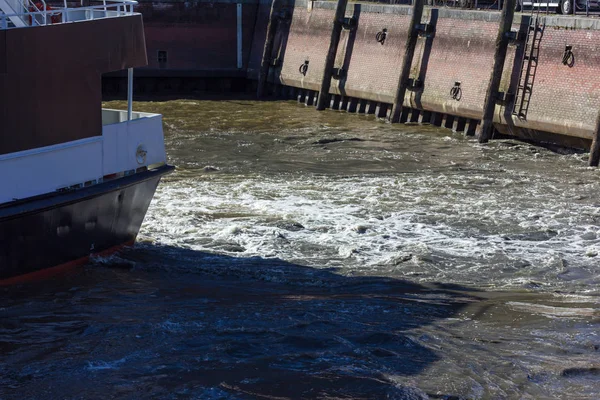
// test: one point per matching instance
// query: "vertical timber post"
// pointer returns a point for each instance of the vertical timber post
(487, 122)
(409, 51)
(336, 32)
(263, 74)
(595, 149)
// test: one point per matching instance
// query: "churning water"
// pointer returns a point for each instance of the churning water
(297, 254)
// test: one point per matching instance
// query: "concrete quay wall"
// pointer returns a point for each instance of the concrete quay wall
(565, 99)
(202, 40)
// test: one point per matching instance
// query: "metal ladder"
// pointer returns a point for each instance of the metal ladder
(529, 65)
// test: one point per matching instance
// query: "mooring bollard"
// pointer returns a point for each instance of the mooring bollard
(409, 52)
(263, 73)
(336, 32)
(595, 149)
(491, 95)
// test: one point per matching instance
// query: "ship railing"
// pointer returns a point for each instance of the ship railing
(31, 6)
(34, 15)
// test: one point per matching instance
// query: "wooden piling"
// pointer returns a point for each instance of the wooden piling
(459, 124)
(502, 39)
(409, 51)
(595, 149)
(448, 121)
(338, 21)
(381, 110)
(352, 105)
(263, 73)
(362, 106)
(344, 103)
(471, 128)
(425, 117)
(414, 115)
(310, 98)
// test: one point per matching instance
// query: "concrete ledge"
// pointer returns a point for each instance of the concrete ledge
(559, 21)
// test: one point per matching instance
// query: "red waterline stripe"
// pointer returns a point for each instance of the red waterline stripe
(51, 271)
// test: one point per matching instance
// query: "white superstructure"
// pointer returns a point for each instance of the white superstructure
(126, 146)
(130, 142)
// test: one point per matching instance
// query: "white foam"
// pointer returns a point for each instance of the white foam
(450, 230)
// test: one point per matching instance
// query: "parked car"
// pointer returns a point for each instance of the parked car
(560, 6)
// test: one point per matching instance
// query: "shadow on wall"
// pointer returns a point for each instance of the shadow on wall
(517, 71)
(282, 32)
(349, 49)
(264, 327)
(424, 61)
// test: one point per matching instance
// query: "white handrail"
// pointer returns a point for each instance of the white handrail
(118, 7)
(33, 5)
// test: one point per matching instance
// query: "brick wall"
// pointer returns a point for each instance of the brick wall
(373, 69)
(462, 50)
(308, 40)
(201, 36)
(565, 100)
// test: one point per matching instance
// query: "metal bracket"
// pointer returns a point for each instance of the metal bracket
(456, 91)
(303, 68)
(505, 97)
(284, 15)
(414, 83)
(338, 73)
(349, 23)
(425, 30)
(514, 37)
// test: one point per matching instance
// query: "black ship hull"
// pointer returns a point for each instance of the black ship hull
(56, 231)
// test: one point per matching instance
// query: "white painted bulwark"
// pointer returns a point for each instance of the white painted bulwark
(123, 147)
(32, 172)
(122, 140)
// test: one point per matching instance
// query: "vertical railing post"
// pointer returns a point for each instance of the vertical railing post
(409, 52)
(239, 36)
(587, 8)
(336, 32)
(129, 93)
(263, 73)
(491, 95)
(595, 149)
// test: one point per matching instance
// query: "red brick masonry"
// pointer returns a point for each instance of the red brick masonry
(565, 100)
